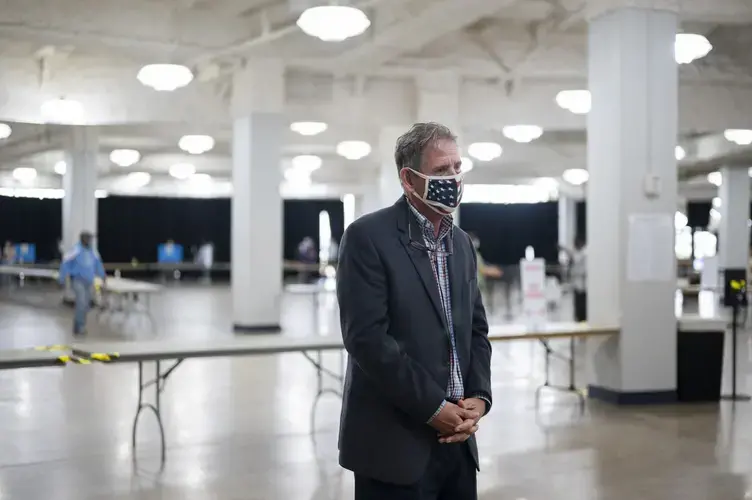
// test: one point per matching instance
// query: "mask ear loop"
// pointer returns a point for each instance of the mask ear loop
(422, 197)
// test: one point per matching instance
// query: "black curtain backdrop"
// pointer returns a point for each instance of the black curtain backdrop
(132, 227)
(698, 214)
(581, 220)
(302, 219)
(31, 220)
(506, 230)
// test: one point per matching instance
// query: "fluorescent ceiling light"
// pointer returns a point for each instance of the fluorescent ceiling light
(138, 179)
(679, 153)
(467, 164)
(307, 162)
(182, 170)
(308, 128)
(484, 151)
(125, 157)
(353, 150)
(715, 178)
(60, 167)
(165, 77)
(547, 183)
(24, 174)
(201, 179)
(578, 102)
(522, 133)
(5, 130)
(196, 144)
(63, 111)
(742, 137)
(717, 202)
(333, 23)
(680, 220)
(689, 47)
(576, 176)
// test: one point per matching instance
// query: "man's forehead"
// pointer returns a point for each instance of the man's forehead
(444, 147)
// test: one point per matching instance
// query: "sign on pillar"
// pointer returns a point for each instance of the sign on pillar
(534, 306)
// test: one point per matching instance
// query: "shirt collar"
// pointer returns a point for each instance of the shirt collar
(446, 227)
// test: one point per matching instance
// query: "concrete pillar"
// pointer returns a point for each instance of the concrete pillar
(389, 186)
(632, 195)
(258, 134)
(80, 184)
(567, 221)
(733, 232)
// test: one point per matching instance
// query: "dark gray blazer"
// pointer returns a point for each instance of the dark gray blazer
(395, 332)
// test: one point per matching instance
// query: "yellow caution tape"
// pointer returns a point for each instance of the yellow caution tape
(73, 359)
(738, 284)
(53, 348)
(101, 356)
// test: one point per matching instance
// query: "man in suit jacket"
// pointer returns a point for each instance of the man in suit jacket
(413, 323)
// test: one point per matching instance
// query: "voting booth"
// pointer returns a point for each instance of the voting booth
(26, 253)
(169, 253)
(534, 298)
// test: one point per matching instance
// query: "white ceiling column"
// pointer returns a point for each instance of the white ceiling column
(631, 203)
(733, 231)
(257, 139)
(80, 184)
(389, 186)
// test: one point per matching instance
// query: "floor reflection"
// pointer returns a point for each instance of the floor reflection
(240, 428)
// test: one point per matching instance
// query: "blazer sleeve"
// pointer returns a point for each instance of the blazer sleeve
(478, 382)
(362, 293)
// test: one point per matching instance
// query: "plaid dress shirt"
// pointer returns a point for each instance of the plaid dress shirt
(437, 247)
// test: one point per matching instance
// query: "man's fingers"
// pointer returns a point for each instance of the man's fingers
(465, 426)
(469, 414)
(459, 436)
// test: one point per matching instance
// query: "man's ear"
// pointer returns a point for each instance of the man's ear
(405, 180)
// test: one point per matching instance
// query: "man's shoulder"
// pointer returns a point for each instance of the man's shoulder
(374, 220)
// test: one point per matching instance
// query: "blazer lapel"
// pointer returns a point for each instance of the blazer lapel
(422, 263)
(457, 278)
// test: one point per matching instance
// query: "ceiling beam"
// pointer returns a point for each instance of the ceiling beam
(439, 19)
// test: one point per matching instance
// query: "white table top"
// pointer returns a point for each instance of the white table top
(29, 271)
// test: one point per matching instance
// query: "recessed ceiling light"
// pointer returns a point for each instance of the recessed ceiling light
(522, 133)
(60, 167)
(308, 128)
(578, 102)
(63, 111)
(182, 170)
(715, 178)
(742, 137)
(138, 179)
(165, 77)
(689, 47)
(125, 157)
(308, 163)
(576, 176)
(5, 130)
(679, 153)
(196, 144)
(24, 174)
(484, 151)
(333, 23)
(353, 150)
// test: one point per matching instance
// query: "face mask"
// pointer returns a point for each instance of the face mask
(442, 193)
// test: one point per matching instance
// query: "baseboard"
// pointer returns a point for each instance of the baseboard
(631, 398)
(256, 328)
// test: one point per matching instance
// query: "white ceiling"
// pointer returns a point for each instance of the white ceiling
(505, 59)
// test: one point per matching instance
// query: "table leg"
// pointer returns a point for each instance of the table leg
(158, 383)
(318, 363)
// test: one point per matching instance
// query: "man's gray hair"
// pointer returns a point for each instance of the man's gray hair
(410, 146)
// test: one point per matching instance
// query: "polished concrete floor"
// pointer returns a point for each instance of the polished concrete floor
(241, 428)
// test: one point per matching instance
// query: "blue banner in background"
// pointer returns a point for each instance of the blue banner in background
(26, 253)
(169, 253)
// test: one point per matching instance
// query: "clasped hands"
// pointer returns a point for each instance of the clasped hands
(457, 422)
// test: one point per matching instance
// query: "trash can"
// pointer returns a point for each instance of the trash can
(699, 365)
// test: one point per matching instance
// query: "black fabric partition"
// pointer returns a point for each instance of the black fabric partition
(506, 230)
(301, 219)
(698, 214)
(31, 220)
(132, 227)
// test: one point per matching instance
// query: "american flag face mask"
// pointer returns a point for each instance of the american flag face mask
(442, 193)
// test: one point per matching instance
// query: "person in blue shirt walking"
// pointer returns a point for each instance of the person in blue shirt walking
(82, 265)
